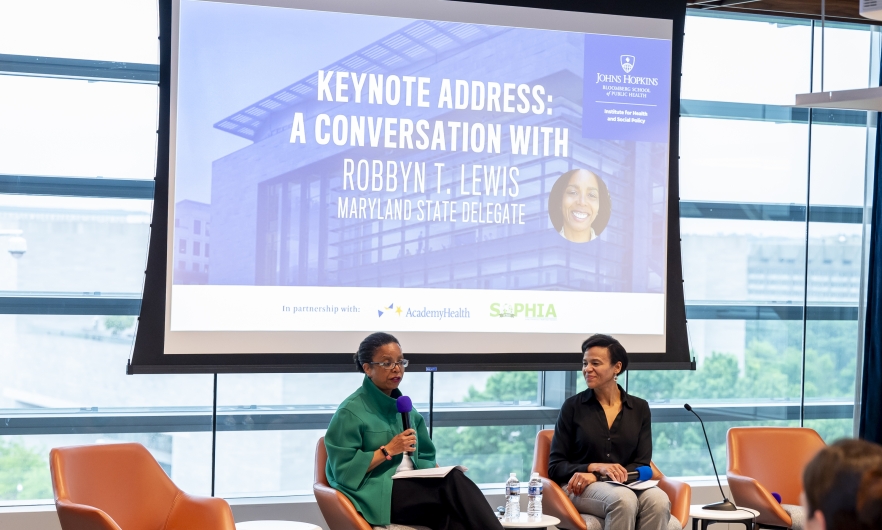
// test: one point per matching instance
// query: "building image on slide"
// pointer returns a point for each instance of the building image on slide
(274, 208)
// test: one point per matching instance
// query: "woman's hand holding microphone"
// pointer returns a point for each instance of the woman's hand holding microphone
(580, 481)
(405, 441)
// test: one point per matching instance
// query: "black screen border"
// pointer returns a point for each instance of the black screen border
(148, 355)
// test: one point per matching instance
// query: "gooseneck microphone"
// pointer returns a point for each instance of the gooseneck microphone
(405, 405)
(725, 505)
(638, 475)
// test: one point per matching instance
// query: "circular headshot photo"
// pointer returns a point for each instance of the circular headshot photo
(579, 205)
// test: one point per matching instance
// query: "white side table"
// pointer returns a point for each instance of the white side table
(525, 522)
(701, 518)
(276, 525)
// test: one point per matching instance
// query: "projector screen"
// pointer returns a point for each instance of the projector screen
(492, 184)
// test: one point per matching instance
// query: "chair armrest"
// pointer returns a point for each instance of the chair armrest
(190, 512)
(338, 510)
(556, 503)
(749, 493)
(82, 517)
(680, 495)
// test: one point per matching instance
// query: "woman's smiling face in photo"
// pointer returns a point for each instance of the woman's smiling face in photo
(581, 202)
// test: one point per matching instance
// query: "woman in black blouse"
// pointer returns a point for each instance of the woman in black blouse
(605, 431)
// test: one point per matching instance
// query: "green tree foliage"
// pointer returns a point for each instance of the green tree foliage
(24, 473)
(770, 370)
(491, 453)
(118, 324)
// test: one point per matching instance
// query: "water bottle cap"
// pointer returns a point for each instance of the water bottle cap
(535, 474)
(511, 475)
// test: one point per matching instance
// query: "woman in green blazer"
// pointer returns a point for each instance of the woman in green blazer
(366, 441)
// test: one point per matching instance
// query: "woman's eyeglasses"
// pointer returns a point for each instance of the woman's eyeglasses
(390, 365)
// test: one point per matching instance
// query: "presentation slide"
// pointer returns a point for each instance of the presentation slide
(462, 175)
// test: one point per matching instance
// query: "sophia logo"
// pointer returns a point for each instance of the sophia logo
(628, 63)
(525, 310)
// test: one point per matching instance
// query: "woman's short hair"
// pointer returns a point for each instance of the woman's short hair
(369, 347)
(555, 198)
(844, 482)
(617, 353)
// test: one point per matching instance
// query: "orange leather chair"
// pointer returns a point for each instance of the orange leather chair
(336, 508)
(556, 503)
(763, 460)
(121, 486)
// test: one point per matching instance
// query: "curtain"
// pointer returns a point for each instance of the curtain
(870, 427)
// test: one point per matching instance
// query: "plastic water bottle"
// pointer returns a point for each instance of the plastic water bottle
(512, 497)
(534, 492)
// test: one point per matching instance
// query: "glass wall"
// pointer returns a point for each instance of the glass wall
(772, 203)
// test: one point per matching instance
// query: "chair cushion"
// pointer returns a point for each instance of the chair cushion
(400, 527)
(797, 516)
(592, 521)
(596, 523)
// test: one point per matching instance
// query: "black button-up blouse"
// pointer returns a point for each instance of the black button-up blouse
(582, 436)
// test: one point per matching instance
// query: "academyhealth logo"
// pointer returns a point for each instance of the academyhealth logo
(527, 311)
(390, 309)
(628, 62)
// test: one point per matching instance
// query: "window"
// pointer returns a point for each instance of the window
(751, 260)
(97, 129)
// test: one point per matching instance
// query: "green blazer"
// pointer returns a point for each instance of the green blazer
(364, 421)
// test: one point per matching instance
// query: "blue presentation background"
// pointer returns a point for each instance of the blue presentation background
(273, 204)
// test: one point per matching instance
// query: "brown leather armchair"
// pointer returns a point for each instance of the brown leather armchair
(556, 503)
(336, 508)
(116, 486)
(770, 459)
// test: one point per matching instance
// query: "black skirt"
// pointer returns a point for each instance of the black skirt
(450, 503)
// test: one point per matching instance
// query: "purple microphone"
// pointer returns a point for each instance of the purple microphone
(405, 405)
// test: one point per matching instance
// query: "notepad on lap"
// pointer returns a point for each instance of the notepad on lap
(636, 486)
(432, 472)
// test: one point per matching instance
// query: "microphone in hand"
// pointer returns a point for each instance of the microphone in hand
(405, 405)
(638, 475)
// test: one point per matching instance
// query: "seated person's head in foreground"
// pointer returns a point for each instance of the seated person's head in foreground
(843, 487)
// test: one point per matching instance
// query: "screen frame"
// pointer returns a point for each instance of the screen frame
(148, 355)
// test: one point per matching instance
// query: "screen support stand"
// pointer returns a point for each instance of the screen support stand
(213, 433)
(431, 400)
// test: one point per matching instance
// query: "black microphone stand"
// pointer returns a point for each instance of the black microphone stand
(724, 505)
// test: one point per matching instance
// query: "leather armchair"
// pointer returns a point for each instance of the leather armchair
(336, 508)
(762, 460)
(121, 486)
(556, 503)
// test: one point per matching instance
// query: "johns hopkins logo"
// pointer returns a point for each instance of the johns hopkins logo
(628, 63)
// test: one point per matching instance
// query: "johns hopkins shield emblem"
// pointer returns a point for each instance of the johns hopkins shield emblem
(628, 63)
